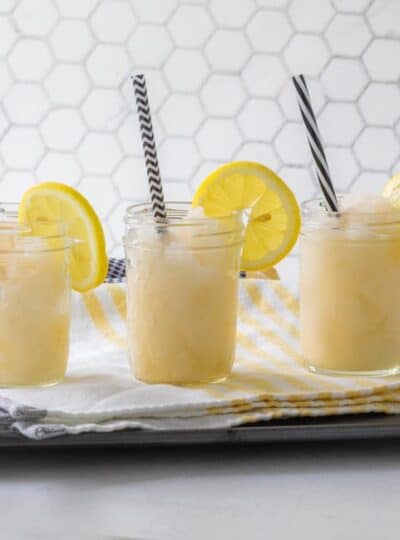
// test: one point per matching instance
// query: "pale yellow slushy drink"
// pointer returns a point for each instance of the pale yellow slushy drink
(34, 308)
(350, 287)
(182, 295)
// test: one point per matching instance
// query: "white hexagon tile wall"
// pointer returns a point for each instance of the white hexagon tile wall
(218, 73)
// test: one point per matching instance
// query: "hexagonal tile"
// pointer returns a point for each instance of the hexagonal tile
(81, 9)
(225, 16)
(120, 13)
(279, 4)
(223, 95)
(348, 35)
(300, 180)
(14, 184)
(3, 122)
(67, 84)
(202, 172)
(21, 138)
(343, 167)
(384, 19)
(130, 178)
(71, 40)
(108, 65)
(260, 152)
(186, 70)
(5, 79)
(312, 19)
(260, 119)
(264, 75)
(288, 101)
(100, 191)
(116, 223)
(153, 10)
(291, 145)
(218, 139)
(227, 50)
(306, 54)
(63, 129)
(380, 104)
(7, 5)
(7, 36)
(150, 56)
(129, 135)
(104, 109)
(26, 103)
(178, 159)
(2, 169)
(340, 123)
(156, 88)
(99, 153)
(380, 59)
(355, 6)
(39, 63)
(185, 34)
(59, 167)
(114, 247)
(35, 19)
(344, 79)
(369, 183)
(177, 191)
(377, 148)
(269, 31)
(181, 114)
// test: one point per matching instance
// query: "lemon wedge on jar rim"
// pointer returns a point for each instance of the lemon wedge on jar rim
(54, 202)
(271, 209)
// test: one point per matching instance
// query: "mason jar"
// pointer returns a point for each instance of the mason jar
(34, 303)
(182, 282)
(349, 291)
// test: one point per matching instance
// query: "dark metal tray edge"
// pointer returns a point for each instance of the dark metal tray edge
(368, 426)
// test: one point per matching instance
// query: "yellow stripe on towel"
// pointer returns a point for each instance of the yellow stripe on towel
(100, 319)
(271, 336)
(118, 297)
(259, 300)
(288, 299)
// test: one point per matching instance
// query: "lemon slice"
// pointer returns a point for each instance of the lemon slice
(273, 223)
(391, 190)
(51, 201)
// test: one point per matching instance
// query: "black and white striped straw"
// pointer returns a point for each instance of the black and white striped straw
(149, 148)
(315, 142)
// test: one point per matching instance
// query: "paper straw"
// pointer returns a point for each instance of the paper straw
(315, 143)
(149, 148)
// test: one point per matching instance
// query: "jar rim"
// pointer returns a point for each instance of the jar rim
(54, 236)
(142, 214)
(379, 225)
(316, 209)
(315, 205)
(229, 231)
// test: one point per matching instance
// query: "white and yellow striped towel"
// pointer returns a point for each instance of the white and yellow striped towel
(268, 380)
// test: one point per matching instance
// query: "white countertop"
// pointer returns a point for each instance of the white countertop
(302, 491)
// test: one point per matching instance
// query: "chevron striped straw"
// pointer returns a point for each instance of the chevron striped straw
(315, 143)
(149, 148)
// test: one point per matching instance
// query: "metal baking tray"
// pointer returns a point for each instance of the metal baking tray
(367, 426)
